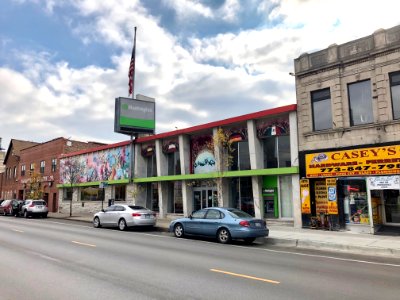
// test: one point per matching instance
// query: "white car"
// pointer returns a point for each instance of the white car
(123, 216)
(32, 207)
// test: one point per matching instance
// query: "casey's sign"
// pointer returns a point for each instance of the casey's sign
(364, 161)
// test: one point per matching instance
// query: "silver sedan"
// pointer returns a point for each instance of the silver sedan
(123, 216)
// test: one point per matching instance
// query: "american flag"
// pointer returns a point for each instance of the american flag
(131, 73)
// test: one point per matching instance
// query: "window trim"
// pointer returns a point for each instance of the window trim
(349, 102)
(393, 84)
(318, 99)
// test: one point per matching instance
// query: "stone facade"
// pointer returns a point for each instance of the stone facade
(373, 57)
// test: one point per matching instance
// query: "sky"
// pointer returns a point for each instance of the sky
(63, 62)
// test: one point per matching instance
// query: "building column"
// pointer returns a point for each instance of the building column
(187, 191)
(257, 184)
(163, 199)
(294, 155)
(187, 198)
(296, 201)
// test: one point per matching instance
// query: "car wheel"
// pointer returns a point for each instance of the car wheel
(249, 241)
(96, 222)
(45, 216)
(178, 230)
(223, 236)
(122, 224)
(26, 214)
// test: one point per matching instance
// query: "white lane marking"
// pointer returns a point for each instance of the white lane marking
(268, 250)
(83, 244)
(17, 230)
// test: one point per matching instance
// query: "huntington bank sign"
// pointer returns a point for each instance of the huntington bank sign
(134, 115)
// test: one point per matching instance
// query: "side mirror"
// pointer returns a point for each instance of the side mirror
(190, 217)
(103, 210)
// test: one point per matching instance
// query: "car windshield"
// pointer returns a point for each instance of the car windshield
(239, 214)
(4, 203)
(136, 207)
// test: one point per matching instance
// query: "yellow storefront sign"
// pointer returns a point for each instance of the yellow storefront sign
(363, 161)
(305, 196)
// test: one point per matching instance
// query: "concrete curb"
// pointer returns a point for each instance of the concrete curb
(333, 247)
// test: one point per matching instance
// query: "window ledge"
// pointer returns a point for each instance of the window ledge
(380, 125)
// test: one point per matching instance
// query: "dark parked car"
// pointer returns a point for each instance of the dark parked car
(224, 224)
(10, 207)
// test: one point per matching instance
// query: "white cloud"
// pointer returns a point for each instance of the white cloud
(204, 80)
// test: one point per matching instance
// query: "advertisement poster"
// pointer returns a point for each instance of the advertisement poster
(364, 161)
(305, 196)
(332, 196)
(321, 199)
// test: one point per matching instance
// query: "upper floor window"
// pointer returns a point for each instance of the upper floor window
(174, 163)
(151, 166)
(32, 167)
(321, 109)
(42, 165)
(277, 151)
(240, 156)
(23, 169)
(15, 172)
(360, 101)
(54, 164)
(395, 92)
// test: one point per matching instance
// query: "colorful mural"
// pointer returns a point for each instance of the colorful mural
(104, 165)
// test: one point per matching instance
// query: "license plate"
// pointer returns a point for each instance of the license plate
(39, 206)
(147, 216)
(258, 224)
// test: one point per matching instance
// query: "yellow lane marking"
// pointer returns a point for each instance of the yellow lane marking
(83, 244)
(17, 230)
(245, 276)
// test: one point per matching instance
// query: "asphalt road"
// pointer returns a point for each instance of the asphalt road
(51, 259)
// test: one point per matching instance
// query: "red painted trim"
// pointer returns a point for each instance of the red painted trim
(256, 115)
(95, 149)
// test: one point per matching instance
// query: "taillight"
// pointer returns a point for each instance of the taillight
(244, 223)
(136, 214)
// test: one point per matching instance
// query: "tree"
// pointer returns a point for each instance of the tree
(223, 153)
(71, 170)
(35, 186)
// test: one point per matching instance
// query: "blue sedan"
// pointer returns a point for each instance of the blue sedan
(224, 224)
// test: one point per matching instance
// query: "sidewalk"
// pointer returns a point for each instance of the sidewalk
(283, 236)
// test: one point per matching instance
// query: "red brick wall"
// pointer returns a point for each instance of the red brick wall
(15, 187)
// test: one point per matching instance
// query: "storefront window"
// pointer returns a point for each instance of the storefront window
(242, 194)
(92, 194)
(285, 196)
(353, 193)
(67, 194)
(120, 192)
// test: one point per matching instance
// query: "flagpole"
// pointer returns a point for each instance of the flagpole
(132, 71)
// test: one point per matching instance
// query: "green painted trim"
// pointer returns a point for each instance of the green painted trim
(227, 174)
(148, 124)
(110, 182)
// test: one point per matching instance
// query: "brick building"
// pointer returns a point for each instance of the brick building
(23, 158)
(9, 178)
(349, 131)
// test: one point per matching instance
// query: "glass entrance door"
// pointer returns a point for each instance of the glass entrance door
(392, 206)
(204, 197)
